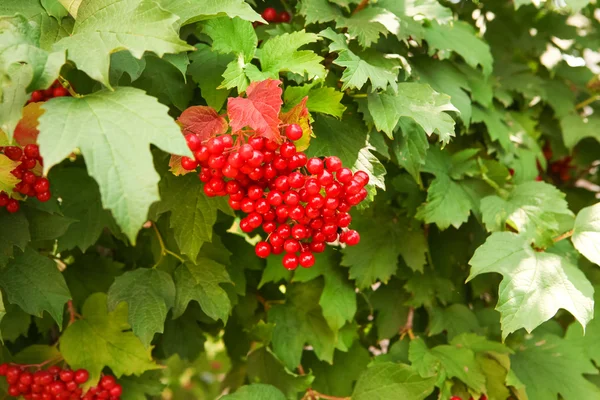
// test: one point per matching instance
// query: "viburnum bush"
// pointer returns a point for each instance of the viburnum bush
(303, 200)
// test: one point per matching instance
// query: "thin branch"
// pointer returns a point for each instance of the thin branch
(42, 364)
(73, 316)
(407, 329)
(565, 235)
(65, 83)
(359, 7)
(587, 101)
(163, 249)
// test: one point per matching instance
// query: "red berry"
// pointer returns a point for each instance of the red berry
(26, 378)
(57, 387)
(116, 391)
(256, 142)
(291, 246)
(32, 150)
(287, 150)
(307, 259)
(343, 175)
(60, 92)
(66, 375)
(290, 261)
(314, 166)
(269, 14)
(13, 391)
(284, 17)
(455, 398)
(12, 206)
(42, 185)
(317, 247)
(44, 196)
(276, 240)
(28, 163)
(13, 152)
(227, 141)
(291, 198)
(296, 180)
(107, 382)
(262, 249)
(246, 151)
(215, 145)
(193, 141)
(202, 154)
(293, 131)
(284, 231)
(71, 386)
(275, 198)
(81, 376)
(333, 163)
(361, 177)
(37, 96)
(352, 238)
(189, 164)
(325, 178)
(269, 226)
(3, 369)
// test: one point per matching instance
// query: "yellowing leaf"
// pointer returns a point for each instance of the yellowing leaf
(7, 180)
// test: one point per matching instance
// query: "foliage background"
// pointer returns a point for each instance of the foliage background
(480, 243)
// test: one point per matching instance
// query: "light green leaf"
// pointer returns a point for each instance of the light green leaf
(318, 11)
(352, 147)
(325, 100)
(418, 102)
(379, 70)
(206, 69)
(549, 366)
(201, 281)
(120, 125)
(72, 6)
(15, 323)
(149, 294)
(574, 129)
(190, 11)
(137, 388)
(35, 284)
(447, 204)
(338, 299)
(193, 214)
(368, 24)
(535, 284)
(234, 75)
(586, 233)
(105, 26)
(299, 321)
(459, 37)
(7, 180)
(232, 36)
(123, 62)
(390, 381)
(532, 207)
(55, 9)
(427, 9)
(256, 391)
(102, 339)
(410, 147)
(281, 54)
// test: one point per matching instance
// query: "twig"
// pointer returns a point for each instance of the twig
(73, 316)
(163, 248)
(65, 83)
(40, 365)
(266, 306)
(359, 7)
(565, 235)
(407, 329)
(587, 101)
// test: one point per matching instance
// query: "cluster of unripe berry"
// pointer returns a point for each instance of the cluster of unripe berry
(31, 184)
(56, 383)
(300, 203)
(56, 90)
(271, 15)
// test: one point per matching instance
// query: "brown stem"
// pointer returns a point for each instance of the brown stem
(359, 7)
(266, 306)
(40, 365)
(73, 316)
(565, 235)
(407, 329)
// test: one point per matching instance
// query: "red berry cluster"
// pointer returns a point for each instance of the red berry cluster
(56, 383)
(31, 184)
(300, 203)
(562, 168)
(56, 90)
(271, 15)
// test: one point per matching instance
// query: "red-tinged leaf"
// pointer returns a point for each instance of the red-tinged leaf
(175, 166)
(260, 110)
(7, 180)
(299, 115)
(203, 121)
(26, 131)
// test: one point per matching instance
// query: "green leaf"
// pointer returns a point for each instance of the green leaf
(379, 70)
(182, 336)
(389, 381)
(586, 233)
(101, 338)
(206, 69)
(136, 388)
(81, 202)
(454, 320)
(352, 147)
(118, 155)
(427, 287)
(105, 26)
(90, 274)
(445, 362)
(264, 367)
(299, 321)
(256, 392)
(447, 204)
(190, 11)
(338, 299)
(325, 100)
(193, 214)
(495, 121)
(201, 281)
(280, 53)
(549, 366)
(55, 9)
(34, 283)
(7, 180)
(123, 62)
(459, 37)
(163, 80)
(418, 102)
(575, 129)
(388, 300)
(14, 232)
(384, 237)
(535, 284)
(368, 24)
(15, 323)
(534, 208)
(234, 75)
(410, 147)
(317, 11)
(232, 36)
(427, 9)
(149, 294)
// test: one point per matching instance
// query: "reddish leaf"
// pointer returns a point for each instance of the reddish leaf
(299, 115)
(175, 166)
(260, 110)
(203, 121)
(26, 131)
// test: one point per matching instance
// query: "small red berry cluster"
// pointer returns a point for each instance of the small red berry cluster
(271, 15)
(56, 383)
(31, 184)
(56, 90)
(300, 203)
